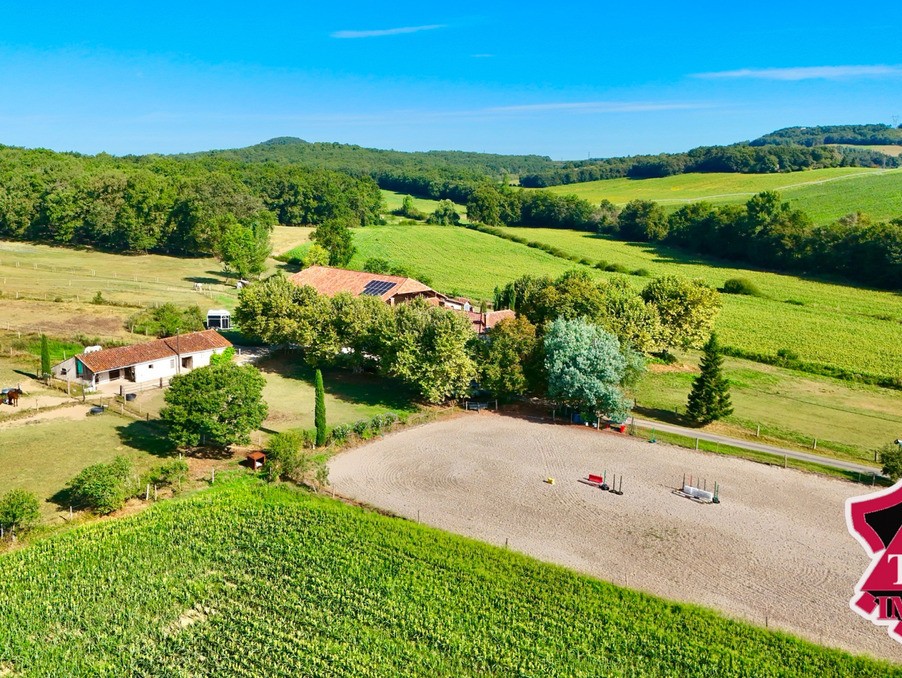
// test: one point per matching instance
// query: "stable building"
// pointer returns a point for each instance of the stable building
(153, 361)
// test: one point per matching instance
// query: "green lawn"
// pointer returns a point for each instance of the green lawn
(827, 323)
(254, 580)
(825, 194)
(289, 393)
(44, 456)
(848, 420)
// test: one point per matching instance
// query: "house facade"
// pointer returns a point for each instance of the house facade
(157, 360)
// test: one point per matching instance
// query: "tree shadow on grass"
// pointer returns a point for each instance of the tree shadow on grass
(351, 387)
(666, 416)
(203, 279)
(147, 436)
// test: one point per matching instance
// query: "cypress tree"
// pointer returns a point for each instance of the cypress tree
(710, 396)
(45, 356)
(319, 413)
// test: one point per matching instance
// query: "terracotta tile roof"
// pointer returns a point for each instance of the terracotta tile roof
(483, 322)
(126, 356)
(331, 281)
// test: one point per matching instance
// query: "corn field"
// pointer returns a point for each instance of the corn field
(252, 580)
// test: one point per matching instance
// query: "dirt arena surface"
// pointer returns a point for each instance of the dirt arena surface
(775, 548)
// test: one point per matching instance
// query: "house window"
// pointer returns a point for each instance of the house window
(150, 366)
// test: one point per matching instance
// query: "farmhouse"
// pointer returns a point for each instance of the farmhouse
(392, 289)
(153, 361)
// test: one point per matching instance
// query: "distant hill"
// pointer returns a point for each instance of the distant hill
(846, 135)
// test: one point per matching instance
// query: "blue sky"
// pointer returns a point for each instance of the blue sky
(566, 80)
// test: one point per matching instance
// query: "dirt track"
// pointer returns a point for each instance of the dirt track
(776, 548)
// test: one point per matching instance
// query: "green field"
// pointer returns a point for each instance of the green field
(457, 260)
(832, 324)
(244, 579)
(792, 409)
(290, 394)
(45, 455)
(825, 194)
(393, 201)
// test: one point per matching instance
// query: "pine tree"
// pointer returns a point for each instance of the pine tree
(710, 396)
(319, 413)
(45, 356)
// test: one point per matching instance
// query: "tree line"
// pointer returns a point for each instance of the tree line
(768, 232)
(186, 206)
(742, 158)
(877, 135)
(435, 352)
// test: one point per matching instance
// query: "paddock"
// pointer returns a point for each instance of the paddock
(774, 552)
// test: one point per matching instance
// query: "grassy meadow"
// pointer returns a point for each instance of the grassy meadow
(825, 194)
(290, 394)
(792, 409)
(43, 456)
(191, 585)
(393, 201)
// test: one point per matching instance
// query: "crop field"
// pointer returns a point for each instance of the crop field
(826, 194)
(827, 323)
(190, 585)
(848, 420)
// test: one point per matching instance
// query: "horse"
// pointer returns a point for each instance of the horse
(12, 397)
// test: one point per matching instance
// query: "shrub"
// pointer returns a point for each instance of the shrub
(641, 272)
(285, 458)
(172, 474)
(103, 488)
(741, 286)
(602, 265)
(19, 510)
(342, 432)
(891, 458)
(616, 268)
(786, 355)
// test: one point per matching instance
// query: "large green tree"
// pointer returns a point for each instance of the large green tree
(511, 360)
(709, 399)
(444, 214)
(427, 348)
(587, 368)
(334, 236)
(642, 220)
(243, 247)
(686, 308)
(218, 405)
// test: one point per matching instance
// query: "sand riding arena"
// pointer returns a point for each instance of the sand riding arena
(775, 550)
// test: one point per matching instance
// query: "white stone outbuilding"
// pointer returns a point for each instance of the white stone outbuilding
(157, 360)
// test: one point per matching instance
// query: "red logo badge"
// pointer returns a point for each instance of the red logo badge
(875, 521)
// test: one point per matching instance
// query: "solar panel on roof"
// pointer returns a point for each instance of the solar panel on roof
(377, 288)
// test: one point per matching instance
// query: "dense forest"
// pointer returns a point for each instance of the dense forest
(166, 204)
(854, 135)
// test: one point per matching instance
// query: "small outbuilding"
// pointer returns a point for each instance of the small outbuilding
(219, 319)
(255, 460)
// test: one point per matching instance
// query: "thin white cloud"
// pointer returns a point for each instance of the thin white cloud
(805, 73)
(380, 33)
(599, 107)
